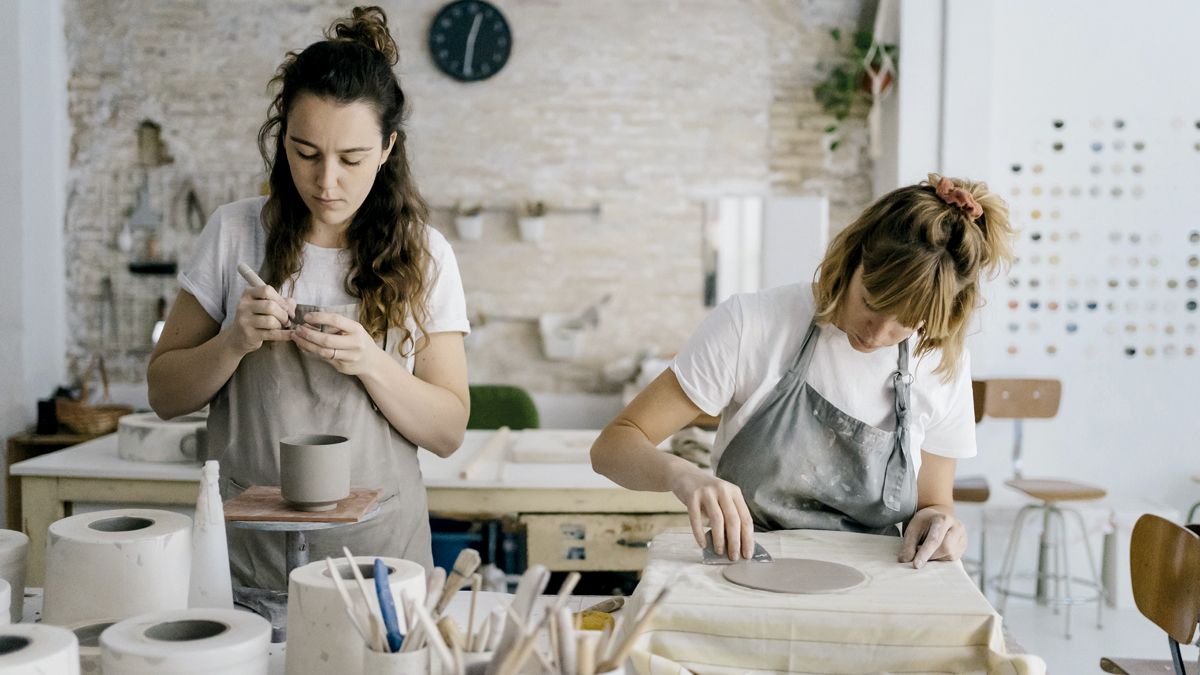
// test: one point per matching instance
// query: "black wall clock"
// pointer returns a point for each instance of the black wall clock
(469, 40)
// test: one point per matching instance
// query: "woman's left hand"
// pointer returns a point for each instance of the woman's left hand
(346, 345)
(933, 535)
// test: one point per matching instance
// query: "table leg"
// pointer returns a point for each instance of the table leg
(41, 505)
(297, 551)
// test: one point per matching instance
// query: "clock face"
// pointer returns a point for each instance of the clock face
(469, 40)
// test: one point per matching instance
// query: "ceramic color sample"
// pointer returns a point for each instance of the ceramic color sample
(13, 548)
(187, 641)
(115, 564)
(795, 575)
(314, 471)
(318, 632)
(38, 649)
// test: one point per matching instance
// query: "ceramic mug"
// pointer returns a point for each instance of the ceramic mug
(314, 471)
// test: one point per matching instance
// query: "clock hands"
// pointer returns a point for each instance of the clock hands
(470, 55)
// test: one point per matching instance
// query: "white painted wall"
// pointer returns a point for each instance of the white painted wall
(1128, 424)
(34, 138)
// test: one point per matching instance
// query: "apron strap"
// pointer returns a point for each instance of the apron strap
(898, 463)
(804, 355)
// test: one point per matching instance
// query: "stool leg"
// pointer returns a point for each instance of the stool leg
(1045, 547)
(1066, 571)
(1004, 578)
(983, 553)
(1101, 591)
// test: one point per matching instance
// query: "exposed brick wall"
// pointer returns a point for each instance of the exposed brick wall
(645, 108)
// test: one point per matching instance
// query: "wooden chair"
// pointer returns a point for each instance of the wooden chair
(1019, 400)
(976, 490)
(1164, 559)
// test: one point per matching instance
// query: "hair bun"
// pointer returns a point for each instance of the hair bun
(366, 26)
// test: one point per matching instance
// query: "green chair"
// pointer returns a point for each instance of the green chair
(492, 406)
(501, 405)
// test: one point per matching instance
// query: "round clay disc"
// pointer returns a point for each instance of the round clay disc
(795, 575)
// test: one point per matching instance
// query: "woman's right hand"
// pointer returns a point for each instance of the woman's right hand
(722, 503)
(260, 317)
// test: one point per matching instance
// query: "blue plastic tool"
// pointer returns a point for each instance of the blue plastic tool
(387, 607)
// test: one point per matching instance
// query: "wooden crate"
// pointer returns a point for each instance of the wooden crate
(612, 542)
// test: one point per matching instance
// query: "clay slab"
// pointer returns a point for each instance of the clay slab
(795, 575)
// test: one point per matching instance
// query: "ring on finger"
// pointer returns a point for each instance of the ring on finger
(334, 357)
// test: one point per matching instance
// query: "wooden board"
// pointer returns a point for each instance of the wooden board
(261, 503)
(554, 447)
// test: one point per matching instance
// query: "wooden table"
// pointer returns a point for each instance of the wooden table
(27, 446)
(575, 518)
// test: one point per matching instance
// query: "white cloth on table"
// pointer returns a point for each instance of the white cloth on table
(902, 620)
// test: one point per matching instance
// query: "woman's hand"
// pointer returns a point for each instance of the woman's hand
(933, 535)
(723, 504)
(347, 346)
(260, 317)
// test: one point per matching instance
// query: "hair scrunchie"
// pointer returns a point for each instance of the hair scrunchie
(956, 196)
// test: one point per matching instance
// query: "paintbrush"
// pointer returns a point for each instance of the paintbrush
(464, 566)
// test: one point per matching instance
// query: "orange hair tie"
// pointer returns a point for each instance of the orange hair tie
(960, 197)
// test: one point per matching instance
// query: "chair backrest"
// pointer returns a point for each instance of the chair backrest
(1010, 398)
(501, 405)
(1018, 400)
(1164, 561)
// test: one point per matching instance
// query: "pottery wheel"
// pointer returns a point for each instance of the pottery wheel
(795, 575)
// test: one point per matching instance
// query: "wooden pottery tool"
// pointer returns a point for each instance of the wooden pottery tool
(374, 624)
(711, 557)
(626, 646)
(351, 612)
(256, 281)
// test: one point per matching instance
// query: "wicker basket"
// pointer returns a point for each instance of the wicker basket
(84, 418)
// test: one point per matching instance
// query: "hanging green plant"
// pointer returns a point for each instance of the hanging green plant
(861, 60)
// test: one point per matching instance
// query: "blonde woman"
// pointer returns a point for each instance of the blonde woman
(375, 351)
(845, 403)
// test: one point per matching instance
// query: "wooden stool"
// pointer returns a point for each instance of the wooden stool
(1019, 400)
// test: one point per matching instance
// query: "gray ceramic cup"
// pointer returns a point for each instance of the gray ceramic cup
(314, 471)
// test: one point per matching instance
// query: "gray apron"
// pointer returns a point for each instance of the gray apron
(804, 464)
(279, 391)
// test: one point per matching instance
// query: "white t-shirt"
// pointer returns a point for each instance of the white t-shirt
(235, 233)
(745, 345)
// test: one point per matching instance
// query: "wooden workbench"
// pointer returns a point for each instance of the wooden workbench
(575, 519)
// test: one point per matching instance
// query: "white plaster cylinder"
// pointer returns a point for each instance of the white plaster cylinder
(88, 634)
(318, 631)
(145, 437)
(5, 600)
(13, 549)
(116, 564)
(188, 642)
(38, 649)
